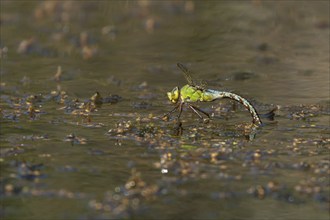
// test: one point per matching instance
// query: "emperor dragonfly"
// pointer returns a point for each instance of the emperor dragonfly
(194, 93)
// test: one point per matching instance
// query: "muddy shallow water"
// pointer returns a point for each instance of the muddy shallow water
(66, 153)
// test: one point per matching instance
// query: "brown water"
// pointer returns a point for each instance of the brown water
(63, 159)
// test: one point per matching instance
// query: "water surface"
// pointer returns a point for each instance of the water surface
(62, 156)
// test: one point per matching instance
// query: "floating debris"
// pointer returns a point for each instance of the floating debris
(112, 99)
(58, 74)
(3, 52)
(73, 139)
(125, 199)
(26, 46)
(97, 99)
(110, 31)
(30, 171)
(32, 112)
(89, 52)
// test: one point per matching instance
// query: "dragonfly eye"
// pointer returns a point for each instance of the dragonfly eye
(173, 96)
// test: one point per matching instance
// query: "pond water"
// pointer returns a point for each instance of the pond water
(66, 153)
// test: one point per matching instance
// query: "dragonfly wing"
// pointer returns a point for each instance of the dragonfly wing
(203, 84)
(186, 73)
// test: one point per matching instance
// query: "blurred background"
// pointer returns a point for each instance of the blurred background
(280, 48)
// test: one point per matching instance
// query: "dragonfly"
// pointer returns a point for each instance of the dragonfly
(192, 93)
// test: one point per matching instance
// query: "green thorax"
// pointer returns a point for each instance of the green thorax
(190, 93)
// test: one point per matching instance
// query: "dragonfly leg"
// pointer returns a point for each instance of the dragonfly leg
(196, 110)
(178, 129)
(180, 106)
(173, 110)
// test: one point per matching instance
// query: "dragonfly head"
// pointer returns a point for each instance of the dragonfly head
(174, 95)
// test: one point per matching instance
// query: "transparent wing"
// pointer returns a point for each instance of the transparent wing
(186, 73)
(203, 84)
